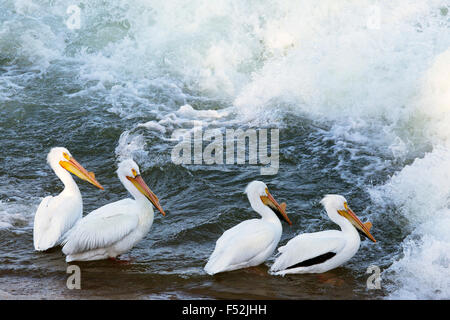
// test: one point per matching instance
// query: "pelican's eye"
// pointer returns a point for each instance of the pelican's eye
(134, 172)
(265, 198)
(66, 155)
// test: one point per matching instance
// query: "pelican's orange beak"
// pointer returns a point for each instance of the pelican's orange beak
(351, 216)
(77, 169)
(280, 210)
(140, 184)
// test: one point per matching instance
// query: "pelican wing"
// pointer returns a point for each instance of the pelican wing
(101, 228)
(239, 245)
(42, 233)
(53, 218)
(307, 249)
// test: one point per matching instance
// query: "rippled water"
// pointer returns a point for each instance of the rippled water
(362, 111)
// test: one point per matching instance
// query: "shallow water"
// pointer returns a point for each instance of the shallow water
(362, 112)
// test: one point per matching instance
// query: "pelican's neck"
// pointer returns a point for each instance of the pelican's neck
(265, 212)
(342, 222)
(69, 183)
(137, 195)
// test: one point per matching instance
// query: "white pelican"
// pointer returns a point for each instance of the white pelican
(250, 242)
(322, 251)
(56, 215)
(116, 227)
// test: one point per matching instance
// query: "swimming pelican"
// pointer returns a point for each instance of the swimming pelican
(116, 227)
(322, 251)
(56, 215)
(250, 242)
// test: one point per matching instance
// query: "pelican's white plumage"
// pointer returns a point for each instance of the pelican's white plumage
(116, 227)
(56, 215)
(322, 251)
(250, 242)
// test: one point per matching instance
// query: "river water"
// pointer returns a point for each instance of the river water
(359, 91)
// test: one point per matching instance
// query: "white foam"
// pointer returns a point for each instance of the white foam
(433, 106)
(421, 194)
(14, 214)
(187, 111)
(131, 146)
(153, 125)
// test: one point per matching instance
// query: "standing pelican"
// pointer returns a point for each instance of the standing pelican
(322, 251)
(56, 215)
(250, 242)
(116, 227)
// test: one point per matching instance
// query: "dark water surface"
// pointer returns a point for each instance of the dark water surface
(201, 203)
